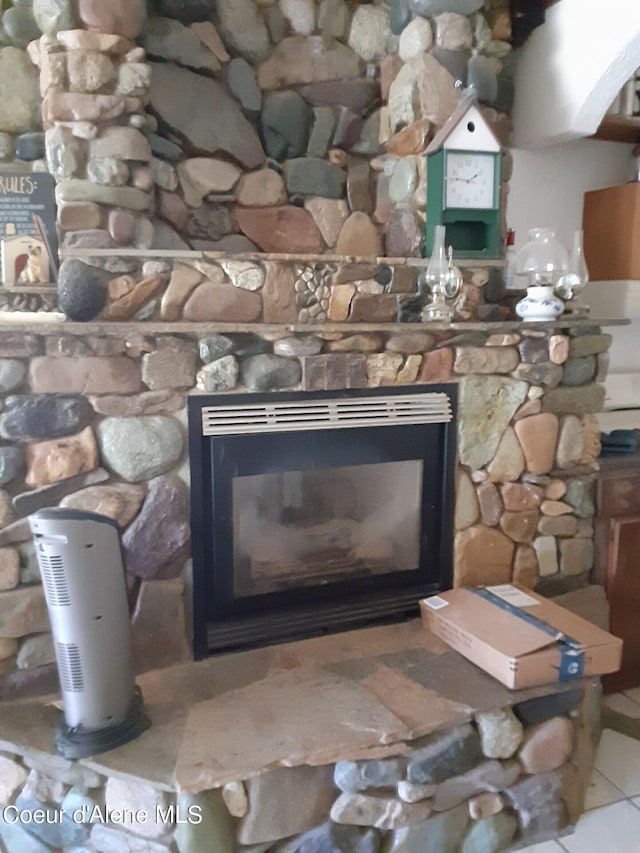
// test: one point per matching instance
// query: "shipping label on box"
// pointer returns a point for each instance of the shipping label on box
(519, 637)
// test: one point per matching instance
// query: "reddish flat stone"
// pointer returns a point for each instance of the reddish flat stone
(224, 303)
(281, 229)
(121, 17)
(437, 366)
(538, 437)
(278, 295)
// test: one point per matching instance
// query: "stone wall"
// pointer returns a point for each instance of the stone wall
(93, 416)
(511, 776)
(295, 126)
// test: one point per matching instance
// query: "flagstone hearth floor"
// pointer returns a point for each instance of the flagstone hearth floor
(351, 695)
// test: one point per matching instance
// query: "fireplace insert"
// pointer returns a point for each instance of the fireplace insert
(314, 512)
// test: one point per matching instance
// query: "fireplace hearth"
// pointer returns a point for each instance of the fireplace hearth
(314, 512)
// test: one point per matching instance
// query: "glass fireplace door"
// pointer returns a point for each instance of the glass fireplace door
(298, 531)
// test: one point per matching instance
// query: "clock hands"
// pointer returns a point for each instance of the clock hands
(466, 180)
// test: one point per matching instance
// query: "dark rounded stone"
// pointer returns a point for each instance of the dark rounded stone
(211, 222)
(20, 25)
(11, 464)
(30, 146)
(214, 347)
(383, 275)
(164, 148)
(186, 11)
(44, 416)
(285, 121)
(399, 15)
(244, 343)
(82, 291)
(269, 372)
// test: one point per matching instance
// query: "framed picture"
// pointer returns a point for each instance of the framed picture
(28, 241)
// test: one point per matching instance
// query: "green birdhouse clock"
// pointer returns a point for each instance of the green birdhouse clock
(463, 185)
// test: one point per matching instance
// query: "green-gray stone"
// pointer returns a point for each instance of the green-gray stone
(130, 198)
(490, 835)
(285, 121)
(6, 146)
(354, 776)
(214, 347)
(53, 16)
(481, 76)
(445, 754)
(589, 345)
(579, 371)
(11, 464)
(20, 25)
(585, 400)
(436, 7)
(219, 375)
(19, 92)
(399, 15)
(139, 448)
(440, 834)
(270, 372)
(12, 373)
(246, 343)
(241, 78)
(579, 495)
(222, 126)
(324, 123)
(487, 404)
(310, 176)
(214, 832)
(171, 40)
(66, 154)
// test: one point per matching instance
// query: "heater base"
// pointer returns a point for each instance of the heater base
(79, 742)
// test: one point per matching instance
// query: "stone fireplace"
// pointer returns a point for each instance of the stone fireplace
(95, 417)
(317, 511)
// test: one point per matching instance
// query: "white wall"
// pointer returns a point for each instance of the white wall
(571, 68)
(548, 185)
(547, 189)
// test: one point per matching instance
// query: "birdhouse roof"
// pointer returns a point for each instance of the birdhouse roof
(487, 140)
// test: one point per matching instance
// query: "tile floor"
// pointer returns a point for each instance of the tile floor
(611, 823)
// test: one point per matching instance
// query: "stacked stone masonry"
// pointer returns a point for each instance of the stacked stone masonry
(509, 777)
(94, 416)
(245, 125)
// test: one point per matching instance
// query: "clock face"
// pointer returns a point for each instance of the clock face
(469, 180)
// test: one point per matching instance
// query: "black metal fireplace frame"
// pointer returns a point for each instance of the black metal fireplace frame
(222, 623)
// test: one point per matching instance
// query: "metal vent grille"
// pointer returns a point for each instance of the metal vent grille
(70, 666)
(54, 578)
(296, 416)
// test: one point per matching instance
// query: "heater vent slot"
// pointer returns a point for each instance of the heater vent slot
(54, 577)
(70, 666)
(296, 416)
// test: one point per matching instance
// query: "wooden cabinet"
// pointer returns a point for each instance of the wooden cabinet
(611, 222)
(618, 561)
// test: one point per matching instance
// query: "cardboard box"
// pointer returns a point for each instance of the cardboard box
(611, 223)
(519, 637)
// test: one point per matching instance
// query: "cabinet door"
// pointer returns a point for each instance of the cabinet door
(623, 592)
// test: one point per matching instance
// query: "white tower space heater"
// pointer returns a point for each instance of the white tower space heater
(83, 578)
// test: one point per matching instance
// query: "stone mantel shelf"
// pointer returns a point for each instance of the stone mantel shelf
(193, 255)
(27, 323)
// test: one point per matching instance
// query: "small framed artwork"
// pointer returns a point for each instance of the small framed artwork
(28, 242)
